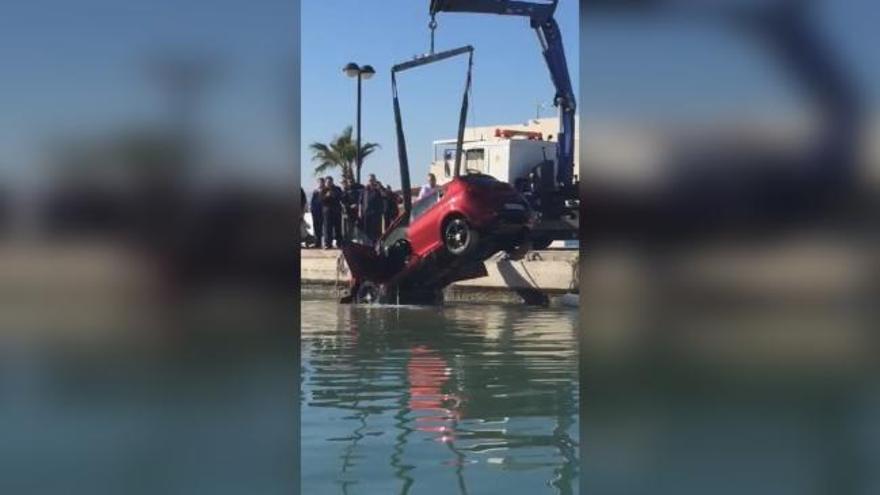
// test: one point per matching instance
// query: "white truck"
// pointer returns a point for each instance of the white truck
(511, 156)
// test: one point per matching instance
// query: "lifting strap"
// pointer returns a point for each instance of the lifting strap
(398, 121)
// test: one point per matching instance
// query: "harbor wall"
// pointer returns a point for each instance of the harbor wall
(549, 272)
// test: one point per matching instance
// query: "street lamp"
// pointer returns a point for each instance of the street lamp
(365, 72)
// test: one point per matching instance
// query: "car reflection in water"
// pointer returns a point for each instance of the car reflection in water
(428, 373)
(462, 399)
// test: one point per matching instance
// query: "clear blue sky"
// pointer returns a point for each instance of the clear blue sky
(634, 67)
(510, 77)
(72, 69)
(641, 66)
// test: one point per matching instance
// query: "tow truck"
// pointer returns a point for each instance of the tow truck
(550, 184)
(508, 155)
(445, 235)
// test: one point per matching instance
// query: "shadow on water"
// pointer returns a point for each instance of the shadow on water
(460, 399)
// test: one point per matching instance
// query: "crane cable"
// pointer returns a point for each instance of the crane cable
(432, 25)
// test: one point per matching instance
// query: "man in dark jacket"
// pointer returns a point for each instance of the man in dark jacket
(355, 195)
(373, 208)
(331, 209)
(349, 209)
(317, 215)
(391, 209)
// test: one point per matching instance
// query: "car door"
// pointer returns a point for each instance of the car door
(424, 226)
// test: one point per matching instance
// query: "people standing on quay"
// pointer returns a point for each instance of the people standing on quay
(373, 208)
(315, 206)
(331, 210)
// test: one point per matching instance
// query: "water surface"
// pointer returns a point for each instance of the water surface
(469, 399)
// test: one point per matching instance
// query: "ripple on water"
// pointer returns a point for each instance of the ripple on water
(459, 399)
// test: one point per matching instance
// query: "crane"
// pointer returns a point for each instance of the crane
(557, 199)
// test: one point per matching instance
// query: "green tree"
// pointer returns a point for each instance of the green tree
(341, 152)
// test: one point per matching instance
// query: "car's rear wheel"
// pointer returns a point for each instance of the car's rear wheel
(399, 251)
(459, 238)
(368, 293)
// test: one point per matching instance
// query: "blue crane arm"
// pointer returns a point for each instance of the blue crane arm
(540, 15)
(533, 10)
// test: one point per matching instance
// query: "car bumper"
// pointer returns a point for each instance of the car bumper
(513, 217)
(510, 223)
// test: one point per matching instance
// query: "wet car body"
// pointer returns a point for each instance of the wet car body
(446, 239)
(498, 213)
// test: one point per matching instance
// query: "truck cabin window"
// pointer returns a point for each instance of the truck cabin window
(475, 160)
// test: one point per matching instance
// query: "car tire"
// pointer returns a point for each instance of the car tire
(369, 293)
(399, 251)
(459, 238)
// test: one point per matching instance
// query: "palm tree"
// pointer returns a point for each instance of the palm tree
(340, 152)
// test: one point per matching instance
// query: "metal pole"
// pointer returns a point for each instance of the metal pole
(358, 152)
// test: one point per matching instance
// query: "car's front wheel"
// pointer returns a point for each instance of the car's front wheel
(369, 293)
(459, 237)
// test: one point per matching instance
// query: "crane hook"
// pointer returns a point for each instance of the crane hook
(433, 27)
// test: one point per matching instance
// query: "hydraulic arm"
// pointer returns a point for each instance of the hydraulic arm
(540, 15)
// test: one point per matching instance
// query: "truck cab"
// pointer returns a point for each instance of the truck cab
(526, 160)
(505, 158)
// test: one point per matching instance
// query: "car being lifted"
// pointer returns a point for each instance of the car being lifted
(475, 214)
(443, 237)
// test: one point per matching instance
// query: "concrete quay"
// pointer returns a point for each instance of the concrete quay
(549, 272)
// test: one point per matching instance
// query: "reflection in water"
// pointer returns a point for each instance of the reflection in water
(461, 399)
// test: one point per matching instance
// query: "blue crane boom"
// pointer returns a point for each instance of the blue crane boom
(540, 15)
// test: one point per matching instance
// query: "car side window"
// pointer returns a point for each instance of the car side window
(422, 205)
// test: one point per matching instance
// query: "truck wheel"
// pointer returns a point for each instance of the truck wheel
(459, 238)
(368, 293)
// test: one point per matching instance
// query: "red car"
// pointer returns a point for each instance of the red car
(446, 238)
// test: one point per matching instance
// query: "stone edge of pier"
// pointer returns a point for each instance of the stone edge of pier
(551, 272)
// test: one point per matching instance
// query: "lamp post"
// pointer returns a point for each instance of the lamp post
(365, 72)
